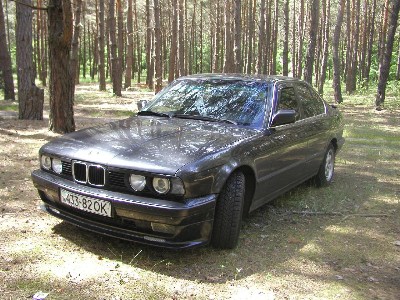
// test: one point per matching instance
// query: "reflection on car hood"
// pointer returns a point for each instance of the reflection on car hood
(151, 144)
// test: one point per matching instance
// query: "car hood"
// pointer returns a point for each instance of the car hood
(159, 145)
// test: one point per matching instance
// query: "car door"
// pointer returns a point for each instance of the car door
(315, 125)
(280, 162)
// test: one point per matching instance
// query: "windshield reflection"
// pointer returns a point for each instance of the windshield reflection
(237, 101)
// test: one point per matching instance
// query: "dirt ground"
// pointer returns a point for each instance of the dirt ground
(341, 242)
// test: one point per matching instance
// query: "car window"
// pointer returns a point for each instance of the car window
(319, 105)
(287, 99)
(311, 103)
(241, 101)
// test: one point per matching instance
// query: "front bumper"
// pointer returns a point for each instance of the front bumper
(134, 218)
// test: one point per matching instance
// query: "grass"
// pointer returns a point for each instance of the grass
(8, 106)
(282, 254)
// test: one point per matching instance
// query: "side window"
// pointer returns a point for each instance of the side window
(310, 101)
(287, 99)
(319, 103)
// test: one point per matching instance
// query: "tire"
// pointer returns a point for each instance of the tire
(326, 170)
(228, 213)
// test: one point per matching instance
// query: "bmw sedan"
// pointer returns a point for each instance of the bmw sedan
(206, 151)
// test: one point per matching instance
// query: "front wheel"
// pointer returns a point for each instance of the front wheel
(228, 213)
(325, 173)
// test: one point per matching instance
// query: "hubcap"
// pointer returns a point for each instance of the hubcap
(329, 162)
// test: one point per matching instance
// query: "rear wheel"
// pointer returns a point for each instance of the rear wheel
(228, 213)
(326, 170)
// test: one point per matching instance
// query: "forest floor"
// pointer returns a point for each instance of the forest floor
(339, 242)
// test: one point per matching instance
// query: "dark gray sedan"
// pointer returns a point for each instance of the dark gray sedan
(207, 150)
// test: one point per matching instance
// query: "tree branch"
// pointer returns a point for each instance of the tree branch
(30, 6)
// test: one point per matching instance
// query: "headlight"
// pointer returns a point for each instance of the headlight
(161, 185)
(56, 165)
(137, 182)
(45, 161)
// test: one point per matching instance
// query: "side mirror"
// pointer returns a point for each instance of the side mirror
(142, 103)
(283, 116)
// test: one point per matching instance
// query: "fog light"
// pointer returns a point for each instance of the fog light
(164, 228)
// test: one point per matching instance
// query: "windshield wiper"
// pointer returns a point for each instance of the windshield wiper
(153, 113)
(204, 118)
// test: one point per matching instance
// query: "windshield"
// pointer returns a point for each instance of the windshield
(234, 101)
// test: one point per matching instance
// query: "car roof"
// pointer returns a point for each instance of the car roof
(243, 77)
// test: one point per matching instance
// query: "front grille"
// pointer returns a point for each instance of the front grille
(79, 172)
(87, 173)
(96, 175)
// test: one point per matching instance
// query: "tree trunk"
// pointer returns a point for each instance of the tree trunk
(157, 45)
(5, 60)
(351, 78)
(115, 60)
(30, 97)
(398, 63)
(60, 87)
(181, 38)
(370, 43)
(102, 60)
(325, 49)
(285, 54)
(75, 43)
(336, 62)
(300, 38)
(387, 54)
(138, 44)
(149, 47)
(129, 52)
(308, 71)
(251, 30)
(294, 59)
(120, 39)
(229, 61)
(238, 36)
(261, 39)
(174, 44)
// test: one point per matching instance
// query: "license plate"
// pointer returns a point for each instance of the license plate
(89, 204)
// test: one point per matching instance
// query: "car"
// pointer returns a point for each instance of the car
(203, 153)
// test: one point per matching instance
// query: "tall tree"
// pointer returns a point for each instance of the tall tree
(158, 43)
(325, 54)
(312, 34)
(115, 60)
(129, 50)
(238, 35)
(181, 39)
(149, 46)
(102, 60)
(60, 87)
(174, 44)
(30, 97)
(229, 62)
(251, 31)
(336, 62)
(75, 41)
(394, 7)
(261, 39)
(398, 62)
(300, 39)
(351, 78)
(5, 60)
(285, 54)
